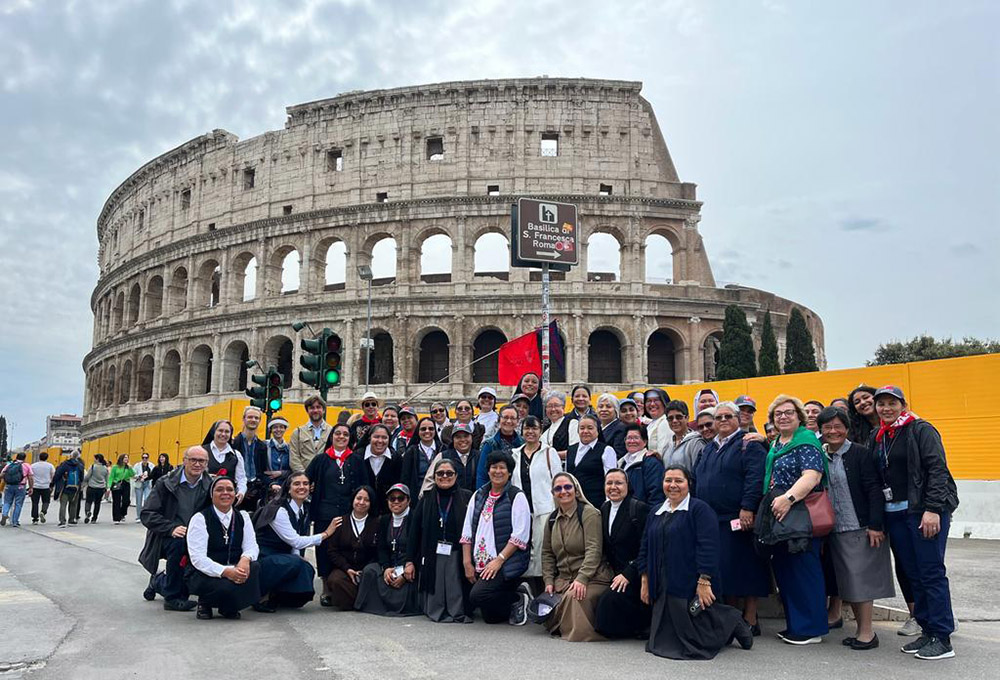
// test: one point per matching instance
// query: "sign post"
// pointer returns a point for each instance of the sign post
(545, 233)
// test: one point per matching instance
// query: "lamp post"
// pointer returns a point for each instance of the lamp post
(365, 272)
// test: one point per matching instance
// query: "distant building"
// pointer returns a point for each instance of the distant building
(63, 430)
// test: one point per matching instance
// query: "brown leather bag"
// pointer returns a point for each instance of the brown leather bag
(820, 512)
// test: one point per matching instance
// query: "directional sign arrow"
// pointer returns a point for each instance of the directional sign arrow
(548, 253)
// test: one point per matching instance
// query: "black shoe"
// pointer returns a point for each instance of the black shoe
(754, 628)
(179, 605)
(744, 635)
(915, 646)
(72, 521)
(3, 521)
(839, 623)
(848, 641)
(935, 649)
(86, 520)
(871, 644)
(232, 616)
(149, 594)
(62, 524)
(262, 607)
(34, 521)
(204, 612)
(325, 601)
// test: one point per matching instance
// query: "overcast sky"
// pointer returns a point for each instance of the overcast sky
(846, 152)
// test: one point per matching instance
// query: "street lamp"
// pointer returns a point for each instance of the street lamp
(365, 272)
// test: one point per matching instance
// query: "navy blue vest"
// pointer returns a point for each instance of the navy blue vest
(227, 553)
(271, 544)
(503, 527)
(228, 464)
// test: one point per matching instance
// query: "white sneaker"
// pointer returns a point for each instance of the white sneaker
(910, 628)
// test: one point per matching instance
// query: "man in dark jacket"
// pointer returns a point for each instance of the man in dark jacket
(166, 513)
(254, 452)
(66, 487)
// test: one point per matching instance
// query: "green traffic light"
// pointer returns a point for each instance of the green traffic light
(332, 377)
(275, 404)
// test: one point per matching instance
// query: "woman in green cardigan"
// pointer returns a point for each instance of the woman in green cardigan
(118, 483)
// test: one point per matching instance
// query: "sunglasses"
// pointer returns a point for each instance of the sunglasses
(369, 404)
(463, 408)
(397, 499)
(706, 426)
(445, 474)
(427, 429)
(437, 410)
(563, 488)
(724, 416)
(676, 419)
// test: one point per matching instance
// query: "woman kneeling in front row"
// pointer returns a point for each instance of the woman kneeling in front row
(222, 547)
(680, 560)
(386, 588)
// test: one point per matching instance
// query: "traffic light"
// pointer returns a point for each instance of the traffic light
(332, 360)
(321, 359)
(258, 395)
(274, 380)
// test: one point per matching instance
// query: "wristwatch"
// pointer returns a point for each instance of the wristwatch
(790, 498)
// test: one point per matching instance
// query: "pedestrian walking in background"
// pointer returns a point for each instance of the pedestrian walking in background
(67, 488)
(41, 492)
(96, 483)
(16, 476)
(141, 482)
(118, 485)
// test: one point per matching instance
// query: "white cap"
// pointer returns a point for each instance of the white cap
(368, 395)
(488, 390)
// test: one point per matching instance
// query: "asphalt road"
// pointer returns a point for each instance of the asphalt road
(71, 608)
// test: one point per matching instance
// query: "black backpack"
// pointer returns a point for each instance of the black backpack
(14, 474)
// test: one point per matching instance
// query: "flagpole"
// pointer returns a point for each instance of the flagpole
(458, 370)
(545, 324)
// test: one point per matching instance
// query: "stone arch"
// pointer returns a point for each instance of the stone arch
(200, 370)
(118, 312)
(109, 386)
(207, 284)
(170, 380)
(380, 252)
(433, 357)
(125, 383)
(278, 353)
(154, 298)
(144, 379)
(243, 278)
(487, 341)
(663, 357)
(177, 292)
(134, 296)
(284, 269)
(604, 357)
(332, 265)
(710, 354)
(382, 369)
(435, 251)
(105, 315)
(491, 256)
(234, 366)
(604, 256)
(661, 250)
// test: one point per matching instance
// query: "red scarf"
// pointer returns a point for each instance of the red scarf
(341, 458)
(378, 419)
(904, 418)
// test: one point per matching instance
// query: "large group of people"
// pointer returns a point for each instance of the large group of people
(642, 517)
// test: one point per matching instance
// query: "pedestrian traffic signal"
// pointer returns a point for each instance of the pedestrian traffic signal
(274, 385)
(321, 359)
(258, 395)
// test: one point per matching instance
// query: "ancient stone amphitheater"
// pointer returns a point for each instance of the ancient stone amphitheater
(209, 252)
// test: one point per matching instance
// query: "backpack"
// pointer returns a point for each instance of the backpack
(14, 474)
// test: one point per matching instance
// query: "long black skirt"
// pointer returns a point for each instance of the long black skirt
(675, 634)
(449, 603)
(622, 615)
(375, 596)
(286, 579)
(222, 593)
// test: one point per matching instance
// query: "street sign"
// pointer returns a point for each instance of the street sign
(547, 232)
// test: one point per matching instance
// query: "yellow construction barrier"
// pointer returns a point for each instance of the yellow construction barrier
(956, 395)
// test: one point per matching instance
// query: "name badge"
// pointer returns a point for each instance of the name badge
(444, 548)
(735, 525)
(887, 492)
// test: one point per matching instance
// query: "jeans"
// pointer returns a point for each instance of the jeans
(43, 495)
(141, 492)
(13, 500)
(922, 560)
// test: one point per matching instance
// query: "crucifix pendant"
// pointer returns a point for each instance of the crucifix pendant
(394, 545)
(341, 475)
(441, 522)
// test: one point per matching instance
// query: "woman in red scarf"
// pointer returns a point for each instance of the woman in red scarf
(920, 496)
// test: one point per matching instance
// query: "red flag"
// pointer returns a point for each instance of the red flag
(517, 357)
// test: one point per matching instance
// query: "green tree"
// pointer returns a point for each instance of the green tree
(767, 359)
(925, 348)
(736, 355)
(800, 355)
(3, 437)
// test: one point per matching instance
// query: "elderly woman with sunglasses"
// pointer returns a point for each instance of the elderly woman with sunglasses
(573, 561)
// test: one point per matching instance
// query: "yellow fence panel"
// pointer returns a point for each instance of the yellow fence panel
(136, 443)
(192, 430)
(169, 434)
(968, 444)
(220, 411)
(151, 441)
(955, 388)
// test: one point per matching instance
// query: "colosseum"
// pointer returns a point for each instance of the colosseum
(209, 252)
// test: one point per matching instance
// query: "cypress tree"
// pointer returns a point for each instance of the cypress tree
(736, 355)
(800, 355)
(767, 359)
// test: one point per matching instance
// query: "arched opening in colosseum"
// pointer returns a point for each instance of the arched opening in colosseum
(243, 278)
(383, 261)
(200, 370)
(710, 353)
(662, 351)
(109, 387)
(290, 265)
(335, 266)
(154, 298)
(177, 292)
(278, 353)
(381, 370)
(659, 255)
(207, 283)
(604, 358)
(105, 316)
(435, 259)
(118, 313)
(604, 261)
(487, 342)
(234, 366)
(432, 363)
(125, 383)
(491, 257)
(135, 294)
(170, 385)
(144, 379)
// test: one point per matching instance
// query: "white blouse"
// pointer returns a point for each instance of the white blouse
(287, 533)
(197, 541)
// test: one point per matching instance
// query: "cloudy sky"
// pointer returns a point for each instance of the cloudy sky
(847, 153)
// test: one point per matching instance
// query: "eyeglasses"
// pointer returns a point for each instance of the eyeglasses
(397, 499)
(437, 410)
(784, 414)
(463, 408)
(444, 474)
(369, 404)
(197, 461)
(706, 426)
(563, 488)
(724, 416)
(677, 418)
(427, 429)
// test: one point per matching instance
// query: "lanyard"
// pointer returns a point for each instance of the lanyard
(443, 514)
(354, 525)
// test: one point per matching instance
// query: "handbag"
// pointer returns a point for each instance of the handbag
(820, 512)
